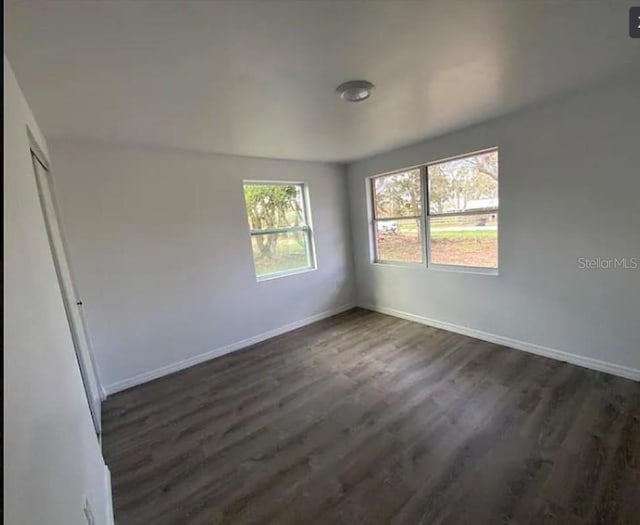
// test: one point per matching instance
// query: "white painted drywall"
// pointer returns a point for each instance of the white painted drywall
(569, 188)
(159, 244)
(52, 458)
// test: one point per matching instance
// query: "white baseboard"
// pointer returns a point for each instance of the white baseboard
(201, 358)
(575, 359)
(108, 497)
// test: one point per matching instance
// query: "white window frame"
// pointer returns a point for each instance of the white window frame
(425, 219)
(375, 220)
(306, 228)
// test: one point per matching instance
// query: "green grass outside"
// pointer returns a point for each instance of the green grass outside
(464, 234)
(448, 246)
(290, 255)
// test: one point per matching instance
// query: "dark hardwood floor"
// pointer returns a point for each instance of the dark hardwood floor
(368, 419)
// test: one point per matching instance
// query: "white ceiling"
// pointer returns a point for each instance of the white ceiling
(258, 77)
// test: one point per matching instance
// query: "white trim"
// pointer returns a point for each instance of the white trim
(399, 264)
(108, 497)
(191, 361)
(575, 359)
(72, 306)
(480, 270)
(277, 275)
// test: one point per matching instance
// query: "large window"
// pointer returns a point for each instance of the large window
(460, 217)
(280, 229)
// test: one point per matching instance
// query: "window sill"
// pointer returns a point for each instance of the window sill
(464, 269)
(439, 267)
(272, 276)
(398, 264)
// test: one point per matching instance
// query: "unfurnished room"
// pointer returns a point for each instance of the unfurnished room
(321, 261)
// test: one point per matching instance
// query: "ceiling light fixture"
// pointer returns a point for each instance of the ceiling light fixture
(355, 90)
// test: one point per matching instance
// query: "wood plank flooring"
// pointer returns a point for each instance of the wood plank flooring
(368, 419)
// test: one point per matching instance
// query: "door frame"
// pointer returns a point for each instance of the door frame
(72, 304)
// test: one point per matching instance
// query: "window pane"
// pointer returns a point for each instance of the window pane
(274, 205)
(399, 240)
(280, 252)
(464, 240)
(397, 195)
(470, 183)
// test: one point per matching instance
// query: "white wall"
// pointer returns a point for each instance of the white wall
(569, 188)
(160, 249)
(52, 458)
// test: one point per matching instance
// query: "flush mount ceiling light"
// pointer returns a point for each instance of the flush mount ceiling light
(355, 90)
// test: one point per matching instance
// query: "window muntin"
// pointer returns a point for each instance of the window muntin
(461, 216)
(281, 238)
(397, 217)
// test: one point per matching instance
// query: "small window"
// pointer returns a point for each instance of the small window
(397, 217)
(281, 238)
(463, 211)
